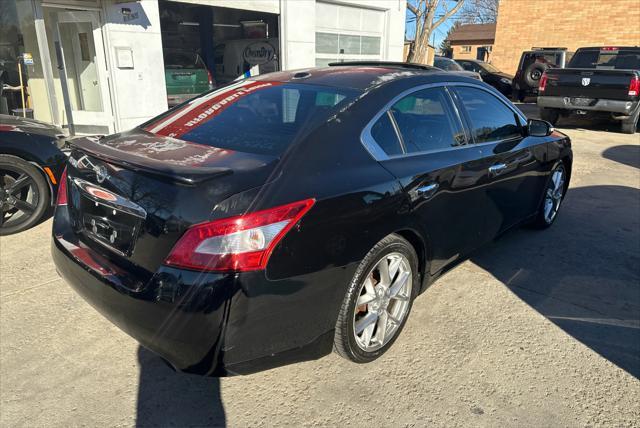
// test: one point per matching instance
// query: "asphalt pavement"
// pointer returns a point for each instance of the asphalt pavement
(536, 329)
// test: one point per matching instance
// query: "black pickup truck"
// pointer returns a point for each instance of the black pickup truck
(597, 81)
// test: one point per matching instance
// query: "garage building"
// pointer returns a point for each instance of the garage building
(102, 66)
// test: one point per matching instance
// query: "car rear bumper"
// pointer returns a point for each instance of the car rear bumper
(206, 323)
(565, 103)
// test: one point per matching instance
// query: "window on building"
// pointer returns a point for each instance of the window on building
(465, 49)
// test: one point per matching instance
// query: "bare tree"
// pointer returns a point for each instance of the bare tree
(479, 12)
(429, 15)
(445, 45)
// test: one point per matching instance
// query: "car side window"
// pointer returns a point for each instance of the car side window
(491, 119)
(426, 121)
(385, 135)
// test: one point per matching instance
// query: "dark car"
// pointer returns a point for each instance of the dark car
(490, 74)
(532, 65)
(283, 216)
(447, 64)
(31, 163)
(602, 81)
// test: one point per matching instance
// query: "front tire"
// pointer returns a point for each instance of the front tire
(24, 195)
(378, 300)
(552, 198)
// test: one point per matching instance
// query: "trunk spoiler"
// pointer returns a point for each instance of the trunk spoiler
(187, 174)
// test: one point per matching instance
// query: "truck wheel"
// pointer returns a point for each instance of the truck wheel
(533, 73)
(630, 125)
(551, 115)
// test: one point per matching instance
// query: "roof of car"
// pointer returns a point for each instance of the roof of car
(355, 75)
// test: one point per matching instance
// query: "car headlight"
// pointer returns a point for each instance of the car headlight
(505, 81)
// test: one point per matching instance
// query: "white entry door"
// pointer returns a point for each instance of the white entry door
(80, 38)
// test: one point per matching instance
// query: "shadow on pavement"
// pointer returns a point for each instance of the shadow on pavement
(583, 273)
(626, 154)
(167, 398)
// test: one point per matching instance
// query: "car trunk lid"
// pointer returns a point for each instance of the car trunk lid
(132, 195)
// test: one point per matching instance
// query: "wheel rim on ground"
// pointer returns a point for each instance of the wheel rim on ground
(19, 197)
(383, 302)
(553, 195)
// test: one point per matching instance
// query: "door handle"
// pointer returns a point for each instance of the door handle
(497, 169)
(427, 191)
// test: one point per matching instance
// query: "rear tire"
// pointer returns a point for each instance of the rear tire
(24, 195)
(630, 125)
(375, 309)
(551, 115)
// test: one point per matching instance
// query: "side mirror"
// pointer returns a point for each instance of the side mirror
(539, 128)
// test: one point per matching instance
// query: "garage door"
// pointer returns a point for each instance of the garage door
(345, 33)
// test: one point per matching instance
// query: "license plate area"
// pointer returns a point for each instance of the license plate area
(581, 102)
(109, 226)
(106, 217)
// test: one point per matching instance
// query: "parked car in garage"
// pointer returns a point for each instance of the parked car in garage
(532, 65)
(31, 161)
(186, 75)
(490, 74)
(297, 212)
(447, 64)
(599, 81)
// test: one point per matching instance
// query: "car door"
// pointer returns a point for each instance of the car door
(425, 146)
(514, 163)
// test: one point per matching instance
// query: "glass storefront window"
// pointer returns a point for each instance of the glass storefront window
(17, 38)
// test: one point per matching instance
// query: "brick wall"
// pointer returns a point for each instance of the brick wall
(562, 23)
(459, 52)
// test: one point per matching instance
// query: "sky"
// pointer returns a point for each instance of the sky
(440, 33)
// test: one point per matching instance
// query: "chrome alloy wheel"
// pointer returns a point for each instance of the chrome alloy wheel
(554, 194)
(383, 302)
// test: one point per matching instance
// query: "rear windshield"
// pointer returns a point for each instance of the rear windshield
(447, 64)
(623, 59)
(249, 116)
(183, 60)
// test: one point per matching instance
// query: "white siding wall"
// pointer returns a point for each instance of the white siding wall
(138, 94)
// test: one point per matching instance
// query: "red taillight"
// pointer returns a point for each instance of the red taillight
(210, 78)
(543, 82)
(634, 86)
(609, 48)
(62, 189)
(239, 243)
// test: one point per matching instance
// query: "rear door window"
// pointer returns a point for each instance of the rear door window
(182, 60)
(251, 116)
(427, 122)
(491, 120)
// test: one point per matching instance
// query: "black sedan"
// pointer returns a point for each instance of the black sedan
(31, 162)
(286, 215)
(490, 74)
